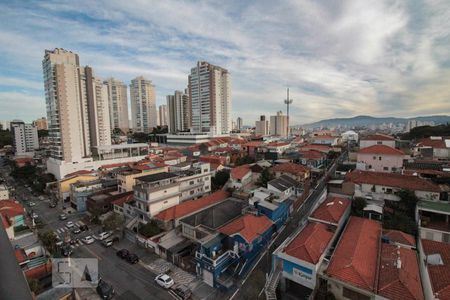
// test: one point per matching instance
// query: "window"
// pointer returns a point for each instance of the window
(347, 293)
(374, 157)
(379, 158)
(385, 168)
(379, 143)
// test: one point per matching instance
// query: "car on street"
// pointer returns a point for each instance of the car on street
(107, 243)
(74, 241)
(70, 224)
(83, 227)
(52, 205)
(76, 230)
(31, 204)
(132, 258)
(62, 217)
(59, 242)
(105, 290)
(104, 235)
(164, 280)
(88, 240)
(122, 253)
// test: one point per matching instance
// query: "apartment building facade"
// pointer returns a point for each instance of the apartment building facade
(25, 138)
(178, 112)
(118, 104)
(143, 105)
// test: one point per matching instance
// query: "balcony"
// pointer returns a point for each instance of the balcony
(227, 258)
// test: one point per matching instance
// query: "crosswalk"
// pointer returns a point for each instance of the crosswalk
(63, 231)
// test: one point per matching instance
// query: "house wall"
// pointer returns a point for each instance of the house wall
(379, 163)
(64, 185)
(337, 288)
(441, 153)
(365, 144)
(382, 193)
(235, 183)
(434, 235)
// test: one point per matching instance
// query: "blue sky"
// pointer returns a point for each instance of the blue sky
(339, 58)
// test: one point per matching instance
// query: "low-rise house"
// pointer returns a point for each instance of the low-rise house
(123, 205)
(251, 148)
(240, 176)
(325, 140)
(81, 190)
(312, 158)
(285, 185)
(126, 179)
(4, 192)
(435, 268)
(439, 147)
(322, 148)
(377, 139)
(12, 217)
(64, 185)
(433, 219)
(297, 172)
(380, 158)
(333, 211)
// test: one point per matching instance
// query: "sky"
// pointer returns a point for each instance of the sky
(339, 58)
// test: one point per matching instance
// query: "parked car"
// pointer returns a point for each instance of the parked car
(76, 230)
(70, 224)
(164, 280)
(132, 258)
(59, 242)
(183, 292)
(107, 242)
(83, 227)
(104, 235)
(52, 205)
(105, 290)
(123, 253)
(62, 217)
(66, 250)
(31, 204)
(74, 241)
(88, 240)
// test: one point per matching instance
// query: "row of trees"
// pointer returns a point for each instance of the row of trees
(426, 131)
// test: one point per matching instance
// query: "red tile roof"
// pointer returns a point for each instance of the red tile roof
(21, 256)
(126, 197)
(399, 276)
(248, 226)
(10, 209)
(433, 143)
(355, 259)
(378, 137)
(254, 144)
(312, 154)
(380, 149)
(318, 147)
(392, 180)
(324, 137)
(240, 172)
(291, 168)
(191, 206)
(400, 237)
(310, 243)
(80, 172)
(331, 210)
(439, 274)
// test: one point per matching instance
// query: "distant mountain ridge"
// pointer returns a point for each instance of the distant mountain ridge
(369, 120)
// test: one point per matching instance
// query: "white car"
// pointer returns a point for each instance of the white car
(164, 280)
(31, 204)
(34, 216)
(70, 224)
(88, 240)
(104, 235)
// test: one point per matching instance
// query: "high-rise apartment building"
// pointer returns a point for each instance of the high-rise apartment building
(262, 126)
(210, 96)
(143, 105)
(279, 124)
(178, 112)
(41, 124)
(25, 137)
(239, 123)
(118, 104)
(162, 110)
(77, 107)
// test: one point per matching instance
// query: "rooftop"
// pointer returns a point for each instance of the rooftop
(438, 143)
(406, 182)
(400, 237)
(378, 137)
(310, 243)
(156, 177)
(380, 149)
(283, 183)
(439, 273)
(187, 207)
(124, 198)
(436, 206)
(355, 259)
(240, 172)
(248, 226)
(331, 210)
(291, 168)
(399, 276)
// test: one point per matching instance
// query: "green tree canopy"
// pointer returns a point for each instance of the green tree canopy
(219, 180)
(265, 177)
(114, 222)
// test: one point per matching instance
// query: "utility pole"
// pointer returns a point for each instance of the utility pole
(288, 101)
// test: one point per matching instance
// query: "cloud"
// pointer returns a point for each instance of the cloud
(339, 58)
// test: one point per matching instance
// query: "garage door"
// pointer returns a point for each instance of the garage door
(208, 278)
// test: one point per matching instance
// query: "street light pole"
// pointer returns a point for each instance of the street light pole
(287, 101)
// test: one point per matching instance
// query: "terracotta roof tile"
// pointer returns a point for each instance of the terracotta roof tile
(248, 226)
(400, 237)
(380, 149)
(399, 276)
(434, 143)
(240, 172)
(20, 254)
(439, 274)
(10, 209)
(392, 180)
(331, 210)
(126, 197)
(191, 206)
(312, 154)
(318, 147)
(310, 243)
(355, 259)
(291, 168)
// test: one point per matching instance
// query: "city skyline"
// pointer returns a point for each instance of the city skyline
(338, 60)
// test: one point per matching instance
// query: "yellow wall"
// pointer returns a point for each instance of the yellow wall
(64, 185)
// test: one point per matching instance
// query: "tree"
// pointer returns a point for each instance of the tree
(244, 160)
(150, 229)
(219, 180)
(114, 222)
(6, 138)
(358, 205)
(117, 131)
(34, 285)
(265, 177)
(48, 238)
(140, 137)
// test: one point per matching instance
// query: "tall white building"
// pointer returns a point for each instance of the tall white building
(162, 115)
(178, 112)
(118, 104)
(279, 124)
(25, 138)
(262, 126)
(143, 105)
(77, 107)
(210, 96)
